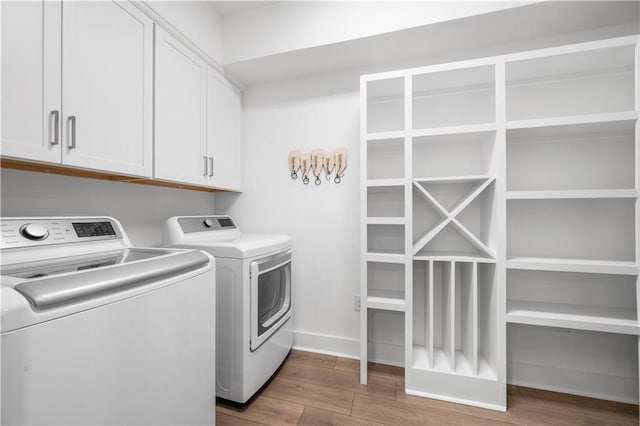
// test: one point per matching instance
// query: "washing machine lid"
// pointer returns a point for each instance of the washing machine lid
(244, 246)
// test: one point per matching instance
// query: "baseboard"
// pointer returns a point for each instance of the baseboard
(325, 344)
(574, 382)
(383, 353)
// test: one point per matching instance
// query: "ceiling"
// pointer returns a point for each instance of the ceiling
(228, 8)
(538, 25)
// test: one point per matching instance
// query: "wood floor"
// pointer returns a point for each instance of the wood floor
(314, 389)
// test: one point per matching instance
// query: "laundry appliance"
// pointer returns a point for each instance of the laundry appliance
(254, 332)
(95, 331)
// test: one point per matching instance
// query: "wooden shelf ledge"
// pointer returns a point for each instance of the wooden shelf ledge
(55, 169)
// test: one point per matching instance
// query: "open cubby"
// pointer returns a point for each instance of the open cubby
(385, 201)
(598, 365)
(443, 316)
(598, 302)
(453, 98)
(488, 321)
(385, 239)
(385, 159)
(479, 217)
(591, 229)
(588, 82)
(574, 157)
(385, 105)
(459, 154)
(454, 217)
(466, 318)
(385, 344)
(455, 318)
(385, 280)
(423, 313)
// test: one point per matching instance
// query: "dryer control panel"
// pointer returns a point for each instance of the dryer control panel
(206, 223)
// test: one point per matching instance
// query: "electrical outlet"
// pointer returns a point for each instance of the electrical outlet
(356, 303)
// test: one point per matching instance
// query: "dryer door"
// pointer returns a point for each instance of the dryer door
(270, 296)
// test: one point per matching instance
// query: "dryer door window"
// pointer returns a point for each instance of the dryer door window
(270, 296)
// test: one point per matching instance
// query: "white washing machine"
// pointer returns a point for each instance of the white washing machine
(95, 331)
(254, 331)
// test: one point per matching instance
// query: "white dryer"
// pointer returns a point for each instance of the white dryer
(253, 312)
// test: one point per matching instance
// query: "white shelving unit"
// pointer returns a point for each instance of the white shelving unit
(499, 192)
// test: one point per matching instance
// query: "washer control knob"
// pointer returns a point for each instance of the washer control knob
(34, 231)
(208, 223)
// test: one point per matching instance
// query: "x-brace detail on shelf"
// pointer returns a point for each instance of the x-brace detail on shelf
(449, 216)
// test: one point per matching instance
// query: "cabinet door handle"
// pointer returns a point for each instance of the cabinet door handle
(54, 124)
(72, 132)
(205, 165)
(210, 166)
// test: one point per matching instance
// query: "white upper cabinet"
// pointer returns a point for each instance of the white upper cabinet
(108, 87)
(224, 132)
(180, 112)
(31, 91)
(82, 86)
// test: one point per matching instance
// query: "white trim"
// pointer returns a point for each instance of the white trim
(471, 402)
(344, 347)
(159, 20)
(511, 57)
(606, 397)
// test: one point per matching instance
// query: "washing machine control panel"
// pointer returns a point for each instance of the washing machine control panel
(206, 223)
(41, 231)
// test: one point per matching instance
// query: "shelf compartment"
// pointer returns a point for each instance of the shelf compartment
(589, 82)
(598, 365)
(443, 314)
(589, 156)
(423, 302)
(385, 239)
(573, 265)
(385, 159)
(385, 286)
(454, 305)
(466, 318)
(385, 201)
(385, 342)
(455, 97)
(463, 154)
(596, 302)
(588, 229)
(385, 105)
(489, 325)
(450, 201)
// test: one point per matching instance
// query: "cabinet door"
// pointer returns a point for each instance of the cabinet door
(107, 87)
(180, 120)
(31, 43)
(224, 137)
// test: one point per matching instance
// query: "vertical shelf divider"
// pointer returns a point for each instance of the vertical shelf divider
(431, 316)
(637, 186)
(408, 209)
(500, 203)
(363, 232)
(475, 318)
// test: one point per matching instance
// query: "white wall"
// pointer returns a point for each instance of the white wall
(293, 25)
(141, 209)
(196, 20)
(321, 112)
